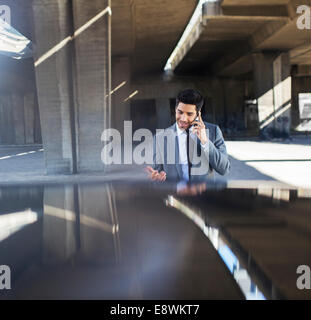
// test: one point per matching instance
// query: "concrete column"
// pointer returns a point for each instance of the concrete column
(7, 134)
(120, 77)
(272, 85)
(18, 115)
(29, 111)
(91, 83)
(295, 116)
(263, 88)
(218, 101)
(51, 26)
(300, 84)
(37, 129)
(282, 94)
(163, 113)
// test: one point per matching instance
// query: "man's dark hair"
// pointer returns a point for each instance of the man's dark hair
(190, 96)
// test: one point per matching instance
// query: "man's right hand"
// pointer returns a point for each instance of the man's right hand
(155, 175)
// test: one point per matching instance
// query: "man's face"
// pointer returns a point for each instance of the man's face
(185, 115)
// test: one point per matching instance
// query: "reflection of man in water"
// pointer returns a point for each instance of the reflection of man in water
(189, 126)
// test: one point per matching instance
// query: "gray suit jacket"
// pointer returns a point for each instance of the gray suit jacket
(214, 154)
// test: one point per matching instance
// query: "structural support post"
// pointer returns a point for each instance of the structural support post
(51, 27)
(120, 92)
(73, 73)
(92, 82)
(272, 86)
(282, 91)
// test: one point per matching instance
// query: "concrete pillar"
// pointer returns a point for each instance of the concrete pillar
(218, 102)
(29, 112)
(263, 88)
(163, 113)
(7, 134)
(234, 94)
(91, 83)
(121, 79)
(51, 26)
(300, 84)
(37, 129)
(282, 91)
(295, 116)
(18, 115)
(272, 85)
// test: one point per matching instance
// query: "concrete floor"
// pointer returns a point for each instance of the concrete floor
(24, 159)
(274, 162)
(288, 161)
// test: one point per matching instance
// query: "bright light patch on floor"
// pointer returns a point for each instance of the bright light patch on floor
(289, 163)
(20, 154)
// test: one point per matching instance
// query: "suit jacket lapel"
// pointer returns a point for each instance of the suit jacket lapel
(195, 150)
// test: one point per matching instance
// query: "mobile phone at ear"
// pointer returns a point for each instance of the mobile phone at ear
(196, 119)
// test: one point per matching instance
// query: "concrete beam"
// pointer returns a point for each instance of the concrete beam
(251, 45)
(275, 13)
(266, 32)
(302, 71)
(221, 66)
(262, 36)
(301, 55)
(292, 6)
(255, 10)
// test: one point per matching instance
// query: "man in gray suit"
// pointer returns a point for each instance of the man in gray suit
(198, 147)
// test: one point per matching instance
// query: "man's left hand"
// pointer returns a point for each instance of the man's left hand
(200, 130)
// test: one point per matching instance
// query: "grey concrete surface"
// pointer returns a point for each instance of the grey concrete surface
(287, 161)
(252, 162)
(21, 160)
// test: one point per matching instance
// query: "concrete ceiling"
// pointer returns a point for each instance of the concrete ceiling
(228, 40)
(220, 36)
(148, 31)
